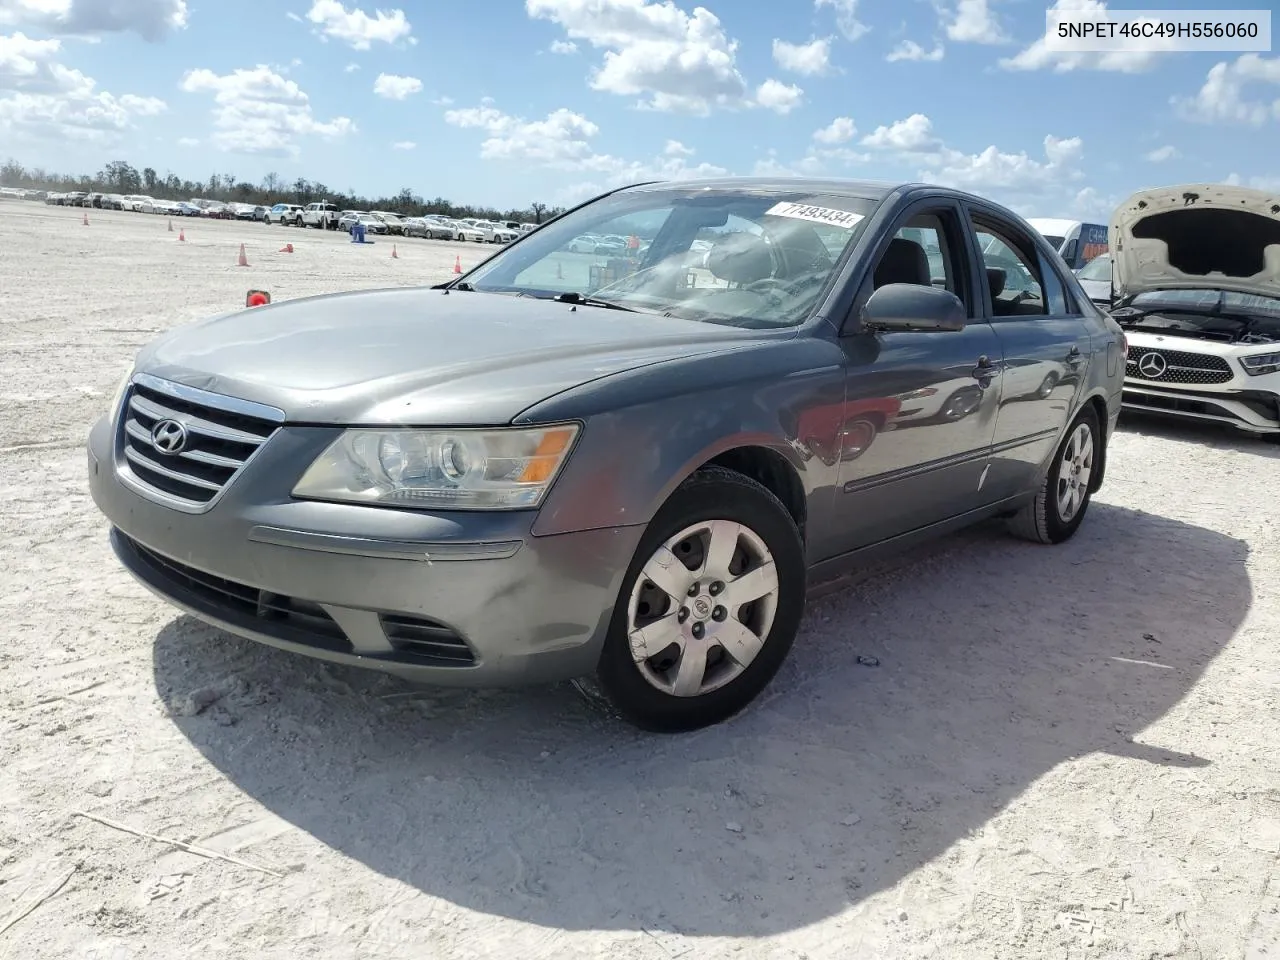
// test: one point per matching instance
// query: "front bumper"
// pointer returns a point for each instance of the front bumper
(452, 599)
(1252, 411)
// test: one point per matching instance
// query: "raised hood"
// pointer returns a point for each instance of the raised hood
(418, 356)
(1197, 237)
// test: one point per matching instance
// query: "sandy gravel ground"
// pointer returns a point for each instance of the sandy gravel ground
(1064, 752)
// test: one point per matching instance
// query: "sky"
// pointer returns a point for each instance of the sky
(508, 102)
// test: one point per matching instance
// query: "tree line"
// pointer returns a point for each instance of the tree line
(123, 178)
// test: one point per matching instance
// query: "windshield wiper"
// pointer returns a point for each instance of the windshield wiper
(579, 299)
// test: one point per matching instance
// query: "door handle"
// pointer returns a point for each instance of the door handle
(984, 371)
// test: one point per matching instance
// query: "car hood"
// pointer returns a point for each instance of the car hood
(419, 356)
(1197, 237)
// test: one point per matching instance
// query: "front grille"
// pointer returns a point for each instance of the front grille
(219, 438)
(1175, 366)
(286, 618)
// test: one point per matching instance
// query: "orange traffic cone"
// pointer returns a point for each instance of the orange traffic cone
(171, 226)
(287, 248)
(182, 235)
(86, 218)
(394, 255)
(457, 264)
(243, 261)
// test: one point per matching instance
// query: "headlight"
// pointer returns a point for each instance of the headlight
(118, 397)
(1261, 363)
(440, 469)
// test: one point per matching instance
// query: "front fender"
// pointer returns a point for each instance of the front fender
(647, 430)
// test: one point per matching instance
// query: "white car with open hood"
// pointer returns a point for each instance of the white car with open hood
(1196, 282)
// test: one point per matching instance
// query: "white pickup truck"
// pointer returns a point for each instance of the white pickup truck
(322, 216)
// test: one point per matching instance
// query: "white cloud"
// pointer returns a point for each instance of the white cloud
(1221, 99)
(564, 47)
(993, 170)
(394, 87)
(42, 99)
(1161, 154)
(1269, 184)
(778, 96)
(357, 28)
(912, 135)
(839, 130)
(403, 145)
(150, 19)
(1038, 56)
(351, 68)
(674, 60)
(910, 50)
(562, 141)
(808, 59)
(188, 142)
(258, 111)
(143, 106)
(20, 56)
(972, 21)
(846, 17)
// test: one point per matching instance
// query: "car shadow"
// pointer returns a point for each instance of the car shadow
(916, 704)
(1201, 434)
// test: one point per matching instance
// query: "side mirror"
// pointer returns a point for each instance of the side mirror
(909, 306)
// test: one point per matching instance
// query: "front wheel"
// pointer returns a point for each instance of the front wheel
(1059, 506)
(709, 607)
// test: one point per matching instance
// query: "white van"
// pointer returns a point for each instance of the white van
(1076, 241)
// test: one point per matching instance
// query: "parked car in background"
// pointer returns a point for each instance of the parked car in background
(1095, 279)
(394, 222)
(371, 223)
(481, 483)
(187, 209)
(430, 229)
(464, 231)
(285, 213)
(322, 215)
(1197, 292)
(1076, 241)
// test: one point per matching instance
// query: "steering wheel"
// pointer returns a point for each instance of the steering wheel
(767, 285)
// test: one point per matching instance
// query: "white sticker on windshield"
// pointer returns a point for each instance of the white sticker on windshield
(804, 211)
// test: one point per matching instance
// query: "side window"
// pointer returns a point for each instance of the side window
(1055, 294)
(920, 254)
(1069, 251)
(1012, 278)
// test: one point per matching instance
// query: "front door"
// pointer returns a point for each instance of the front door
(920, 408)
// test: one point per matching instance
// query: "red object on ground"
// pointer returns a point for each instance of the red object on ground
(242, 261)
(457, 264)
(394, 255)
(182, 236)
(257, 298)
(287, 248)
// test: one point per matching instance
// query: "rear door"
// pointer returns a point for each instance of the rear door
(1045, 345)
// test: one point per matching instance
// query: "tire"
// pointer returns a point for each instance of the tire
(1044, 519)
(762, 531)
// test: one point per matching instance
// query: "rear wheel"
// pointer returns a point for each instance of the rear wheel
(709, 607)
(1059, 507)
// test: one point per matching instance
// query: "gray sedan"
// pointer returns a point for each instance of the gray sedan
(620, 468)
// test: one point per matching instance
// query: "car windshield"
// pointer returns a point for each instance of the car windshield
(744, 256)
(1099, 268)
